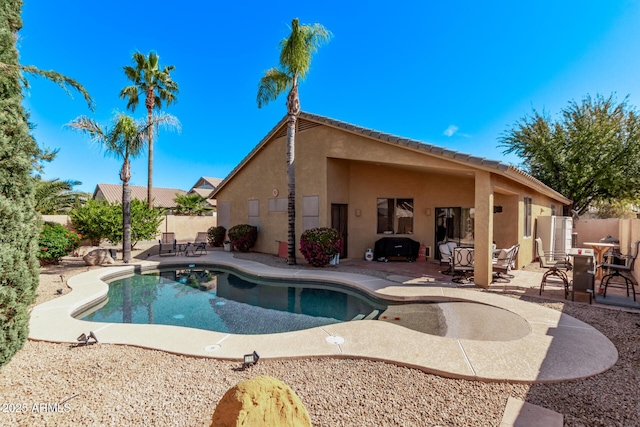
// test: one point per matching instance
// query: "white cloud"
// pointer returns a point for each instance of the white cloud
(451, 130)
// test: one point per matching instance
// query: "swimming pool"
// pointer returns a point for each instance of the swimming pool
(225, 301)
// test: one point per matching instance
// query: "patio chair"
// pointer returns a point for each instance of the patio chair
(556, 263)
(446, 250)
(462, 261)
(504, 263)
(624, 272)
(199, 245)
(168, 244)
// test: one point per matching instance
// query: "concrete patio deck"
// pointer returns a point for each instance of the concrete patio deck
(557, 348)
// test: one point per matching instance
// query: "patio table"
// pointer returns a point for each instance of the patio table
(600, 248)
(182, 247)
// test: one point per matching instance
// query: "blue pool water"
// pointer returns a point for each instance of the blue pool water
(225, 301)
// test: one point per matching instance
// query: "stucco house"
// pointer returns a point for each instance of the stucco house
(369, 185)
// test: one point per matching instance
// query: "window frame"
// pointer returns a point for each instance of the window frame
(528, 217)
(392, 219)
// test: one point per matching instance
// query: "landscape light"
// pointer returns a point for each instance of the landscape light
(250, 359)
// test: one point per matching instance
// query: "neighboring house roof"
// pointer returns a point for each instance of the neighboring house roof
(205, 187)
(206, 182)
(307, 120)
(162, 197)
(202, 192)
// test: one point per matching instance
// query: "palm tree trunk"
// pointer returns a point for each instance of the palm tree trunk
(293, 107)
(125, 175)
(150, 177)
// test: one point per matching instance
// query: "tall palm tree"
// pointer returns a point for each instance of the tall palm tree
(124, 140)
(155, 83)
(295, 60)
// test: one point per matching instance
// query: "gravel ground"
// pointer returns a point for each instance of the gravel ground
(108, 385)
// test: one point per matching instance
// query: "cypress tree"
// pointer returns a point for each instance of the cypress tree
(19, 153)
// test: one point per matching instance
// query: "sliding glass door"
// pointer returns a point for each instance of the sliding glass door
(454, 224)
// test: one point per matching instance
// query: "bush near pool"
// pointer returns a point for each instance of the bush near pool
(319, 245)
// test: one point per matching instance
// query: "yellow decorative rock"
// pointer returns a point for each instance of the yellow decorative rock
(260, 401)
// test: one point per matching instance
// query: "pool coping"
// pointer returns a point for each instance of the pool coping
(558, 347)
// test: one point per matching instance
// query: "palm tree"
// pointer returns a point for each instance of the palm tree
(191, 205)
(156, 85)
(124, 140)
(55, 196)
(295, 60)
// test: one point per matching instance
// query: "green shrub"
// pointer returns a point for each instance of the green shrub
(216, 236)
(243, 236)
(94, 220)
(55, 242)
(98, 220)
(19, 156)
(319, 245)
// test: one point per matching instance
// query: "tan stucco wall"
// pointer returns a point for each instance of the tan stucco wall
(345, 168)
(257, 181)
(185, 227)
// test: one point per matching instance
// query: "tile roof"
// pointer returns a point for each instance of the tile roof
(493, 165)
(162, 197)
(214, 182)
(202, 192)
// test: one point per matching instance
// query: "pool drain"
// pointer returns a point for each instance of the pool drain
(212, 347)
(334, 339)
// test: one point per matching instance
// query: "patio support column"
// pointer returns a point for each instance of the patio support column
(483, 229)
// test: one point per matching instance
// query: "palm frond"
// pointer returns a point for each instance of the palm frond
(55, 196)
(88, 126)
(165, 121)
(66, 83)
(299, 47)
(61, 80)
(130, 93)
(272, 84)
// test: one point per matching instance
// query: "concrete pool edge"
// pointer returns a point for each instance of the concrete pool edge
(558, 348)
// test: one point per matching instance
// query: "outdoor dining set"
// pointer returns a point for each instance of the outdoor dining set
(605, 264)
(168, 245)
(460, 261)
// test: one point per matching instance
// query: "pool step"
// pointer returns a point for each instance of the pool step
(358, 317)
(372, 315)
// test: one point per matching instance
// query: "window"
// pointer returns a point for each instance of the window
(395, 216)
(527, 217)
(254, 213)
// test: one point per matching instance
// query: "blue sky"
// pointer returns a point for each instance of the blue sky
(456, 74)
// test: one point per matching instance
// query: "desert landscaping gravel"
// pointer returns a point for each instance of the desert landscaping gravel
(48, 384)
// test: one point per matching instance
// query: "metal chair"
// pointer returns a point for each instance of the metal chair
(556, 263)
(625, 272)
(168, 244)
(504, 263)
(199, 245)
(462, 264)
(446, 250)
